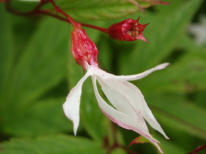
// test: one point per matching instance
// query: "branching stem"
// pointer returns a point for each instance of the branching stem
(38, 11)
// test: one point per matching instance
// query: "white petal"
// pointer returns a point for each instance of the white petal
(145, 110)
(122, 119)
(120, 102)
(117, 100)
(106, 75)
(136, 101)
(72, 103)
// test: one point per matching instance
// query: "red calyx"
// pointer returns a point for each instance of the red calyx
(83, 49)
(127, 30)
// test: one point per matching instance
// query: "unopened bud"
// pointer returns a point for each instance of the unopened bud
(127, 30)
(83, 49)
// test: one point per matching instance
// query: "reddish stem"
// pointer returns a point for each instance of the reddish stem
(114, 130)
(37, 10)
(198, 149)
(63, 13)
(104, 30)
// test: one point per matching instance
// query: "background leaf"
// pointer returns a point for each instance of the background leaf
(43, 117)
(41, 67)
(187, 74)
(98, 9)
(60, 144)
(176, 110)
(36, 60)
(7, 50)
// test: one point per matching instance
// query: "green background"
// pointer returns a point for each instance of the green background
(37, 71)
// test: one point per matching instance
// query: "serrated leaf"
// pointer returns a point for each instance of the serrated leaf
(99, 9)
(60, 144)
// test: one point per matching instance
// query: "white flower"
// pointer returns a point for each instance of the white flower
(130, 108)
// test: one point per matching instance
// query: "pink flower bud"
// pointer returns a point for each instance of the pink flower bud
(83, 49)
(127, 30)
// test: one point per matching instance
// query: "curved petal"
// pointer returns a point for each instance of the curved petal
(117, 100)
(106, 75)
(72, 103)
(145, 110)
(121, 103)
(122, 119)
(136, 101)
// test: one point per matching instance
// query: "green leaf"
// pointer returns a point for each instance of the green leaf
(174, 111)
(169, 147)
(185, 75)
(118, 151)
(91, 116)
(98, 9)
(60, 144)
(41, 67)
(164, 31)
(6, 48)
(42, 117)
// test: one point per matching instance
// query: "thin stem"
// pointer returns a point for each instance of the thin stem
(63, 13)
(104, 30)
(37, 10)
(198, 149)
(114, 130)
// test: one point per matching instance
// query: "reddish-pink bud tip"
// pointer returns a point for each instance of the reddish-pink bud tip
(83, 49)
(127, 30)
(138, 140)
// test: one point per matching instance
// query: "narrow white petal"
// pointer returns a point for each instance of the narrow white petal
(117, 100)
(72, 103)
(145, 110)
(106, 75)
(122, 119)
(120, 102)
(136, 101)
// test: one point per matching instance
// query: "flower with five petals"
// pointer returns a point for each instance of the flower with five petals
(129, 106)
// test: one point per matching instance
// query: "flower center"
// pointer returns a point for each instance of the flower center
(134, 31)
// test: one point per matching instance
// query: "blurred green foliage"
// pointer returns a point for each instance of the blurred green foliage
(37, 71)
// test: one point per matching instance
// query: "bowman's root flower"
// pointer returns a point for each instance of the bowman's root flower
(129, 107)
